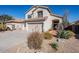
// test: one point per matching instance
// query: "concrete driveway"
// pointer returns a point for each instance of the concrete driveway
(9, 39)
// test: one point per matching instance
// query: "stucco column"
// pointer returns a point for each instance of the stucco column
(42, 27)
(27, 27)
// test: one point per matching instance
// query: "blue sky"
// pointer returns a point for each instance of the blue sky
(18, 11)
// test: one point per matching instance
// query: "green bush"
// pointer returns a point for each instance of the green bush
(47, 35)
(54, 45)
(35, 40)
(65, 34)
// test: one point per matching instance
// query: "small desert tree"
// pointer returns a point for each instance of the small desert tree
(4, 18)
(64, 24)
(65, 20)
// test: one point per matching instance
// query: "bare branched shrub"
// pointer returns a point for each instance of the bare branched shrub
(35, 40)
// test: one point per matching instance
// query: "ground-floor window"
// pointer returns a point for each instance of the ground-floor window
(13, 27)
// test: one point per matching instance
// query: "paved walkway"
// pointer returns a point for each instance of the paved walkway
(11, 38)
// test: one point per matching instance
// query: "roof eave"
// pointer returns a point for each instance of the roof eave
(56, 15)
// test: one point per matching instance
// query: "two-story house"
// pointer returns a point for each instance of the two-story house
(40, 18)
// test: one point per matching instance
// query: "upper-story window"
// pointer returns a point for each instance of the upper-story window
(40, 13)
(29, 16)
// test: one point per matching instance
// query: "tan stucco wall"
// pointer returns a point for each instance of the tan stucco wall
(48, 22)
(35, 14)
(28, 13)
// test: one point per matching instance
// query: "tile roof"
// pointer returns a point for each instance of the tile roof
(14, 21)
(56, 15)
(36, 19)
(27, 20)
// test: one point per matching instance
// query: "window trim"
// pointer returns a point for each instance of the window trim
(30, 16)
(40, 15)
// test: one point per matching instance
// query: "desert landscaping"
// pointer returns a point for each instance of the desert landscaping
(16, 42)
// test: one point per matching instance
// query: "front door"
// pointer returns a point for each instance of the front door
(55, 24)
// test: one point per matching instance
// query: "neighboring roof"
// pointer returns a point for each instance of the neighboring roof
(14, 21)
(76, 21)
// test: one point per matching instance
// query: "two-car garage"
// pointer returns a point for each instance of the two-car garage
(32, 27)
(35, 24)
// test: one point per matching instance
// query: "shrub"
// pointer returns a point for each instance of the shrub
(2, 27)
(35, 40)
(65, 34)
(47, 35)
(71, 33)
(54, 45)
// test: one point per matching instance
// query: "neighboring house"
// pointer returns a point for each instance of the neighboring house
(74, 27)
(15, 24)
(39, 18)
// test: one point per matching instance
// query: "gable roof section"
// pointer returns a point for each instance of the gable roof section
(44, 7)
(36, 7)
(56, 15)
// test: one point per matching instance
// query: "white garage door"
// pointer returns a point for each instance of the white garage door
(35, 27)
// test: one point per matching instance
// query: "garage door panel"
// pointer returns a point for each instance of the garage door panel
(35, 27)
